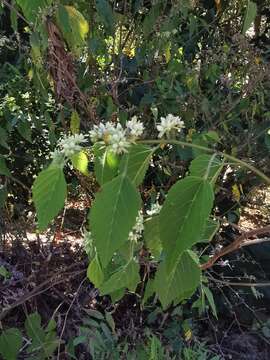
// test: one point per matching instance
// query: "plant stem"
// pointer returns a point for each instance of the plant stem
(199, 147)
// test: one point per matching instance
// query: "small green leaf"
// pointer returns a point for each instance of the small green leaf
(95, 273)
(106, 164)
(11, 341)
(210, 229)
(250, 15)
(113, 215)
(49, 194)
(125, 277)
(136, 162)
(181, 283)
(106, 14)
(210, 299)
(149, 290)
(4, 170)
(4, 273)
(24, 130)
(75, 123)
(206, 166)
(80, 162)
(34, 331)
(183, 216)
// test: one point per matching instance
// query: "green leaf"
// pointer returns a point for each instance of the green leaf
(206, 166)
(113, 215)
(209, 231)
(73, 26)
(125, 277)
(24, 130)
(4, 170)
(149, 290)
(80, 162)
(10, 343)
(49, 194)
(4, 273)
(152, 236)
(210, 299)
(250, 15)
(106, 164)
(31, 9)
(181, 283)
(183, 216)
(34, 330)
(136, 162)
(95, 273)
(106, 14)
(75, 123)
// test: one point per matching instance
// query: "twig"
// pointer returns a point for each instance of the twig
(241, 241)
(228, 283)
(38, 290)
(66, 316)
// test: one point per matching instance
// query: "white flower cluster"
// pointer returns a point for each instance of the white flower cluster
(67, 146)
(169, 123)
(155, 209)
(137, 229)
(115, 136)
(70, 145)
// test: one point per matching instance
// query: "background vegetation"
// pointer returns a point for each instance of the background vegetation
(69, 65)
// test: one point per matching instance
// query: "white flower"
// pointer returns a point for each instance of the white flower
(70, 145)
(112, 135)
(169, 123)
(135, 127)
(58, 158)
(155, 209)
(137, 229)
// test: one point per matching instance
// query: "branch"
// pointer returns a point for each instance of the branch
(241, 241)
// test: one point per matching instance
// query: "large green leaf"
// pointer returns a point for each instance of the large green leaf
(125, 277)
(106, 14)
(136, 162)
(73, 26)
(31, 9)
(49, 194)
(206, 166)
(4, 170)
(250, 15)
(183, 216)
(106, 164)
(10, 343)
(113, 215)
(181, 283)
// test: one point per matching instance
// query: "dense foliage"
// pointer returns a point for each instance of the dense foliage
(156, 110)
